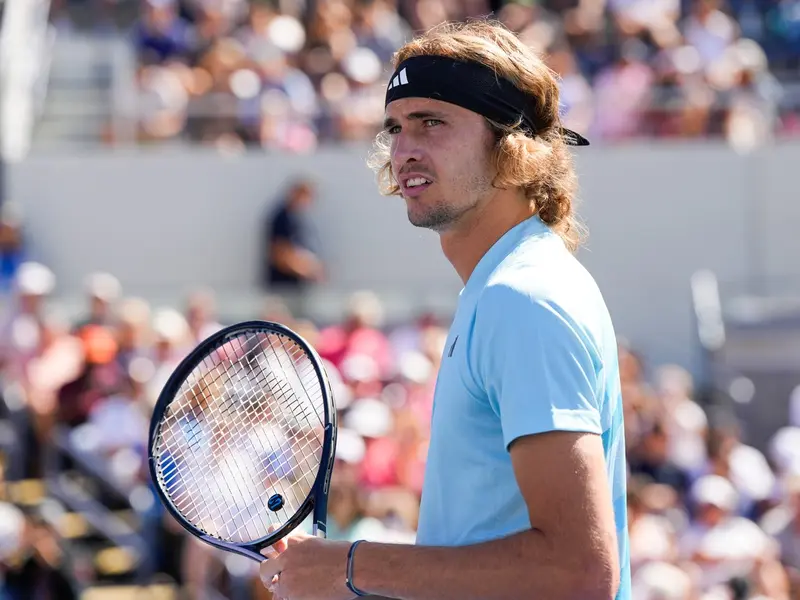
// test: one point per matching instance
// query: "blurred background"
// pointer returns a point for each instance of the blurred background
(172, 166)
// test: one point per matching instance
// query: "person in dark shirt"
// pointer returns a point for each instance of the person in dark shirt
(651, 459)
(161, 35)
(293, 261)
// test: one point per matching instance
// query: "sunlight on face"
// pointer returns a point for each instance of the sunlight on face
(440, 158)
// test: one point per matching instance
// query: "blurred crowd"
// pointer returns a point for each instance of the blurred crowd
(293, 74)
(711, 518)
(96, 378)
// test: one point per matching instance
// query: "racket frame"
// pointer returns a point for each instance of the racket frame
(317, 499)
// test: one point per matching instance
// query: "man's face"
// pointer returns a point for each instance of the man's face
(710, 515)
(302, 197)
(440, 158)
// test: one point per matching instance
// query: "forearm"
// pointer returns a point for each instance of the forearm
(304, 263)
(523, 565)
(295, 260)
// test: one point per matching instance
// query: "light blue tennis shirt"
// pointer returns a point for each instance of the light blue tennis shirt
(531, 349)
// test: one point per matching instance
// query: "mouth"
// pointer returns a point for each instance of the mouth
(414, 186)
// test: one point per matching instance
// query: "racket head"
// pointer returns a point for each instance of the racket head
(176, 388)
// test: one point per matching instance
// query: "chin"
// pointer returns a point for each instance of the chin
(435, 218)
(427, 222)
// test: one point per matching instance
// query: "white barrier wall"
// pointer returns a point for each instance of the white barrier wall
(164, 221)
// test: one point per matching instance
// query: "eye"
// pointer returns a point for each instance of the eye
(432, 122)
(393, 130)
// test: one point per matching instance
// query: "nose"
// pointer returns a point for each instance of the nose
(405, 148)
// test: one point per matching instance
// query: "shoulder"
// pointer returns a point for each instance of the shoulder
(542, 284)
(525, 302)
(529, 326)
(505, 307)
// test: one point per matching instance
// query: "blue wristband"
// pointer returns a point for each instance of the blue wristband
(349, 576)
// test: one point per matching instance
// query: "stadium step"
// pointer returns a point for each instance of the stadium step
(110, 540)
(112, 564)
(130, 592)
(85, 86)
(115, 561)
(25, 492)
(77, 500)
(102, 562)
(92, 556)
(73, 103)
(73, 525)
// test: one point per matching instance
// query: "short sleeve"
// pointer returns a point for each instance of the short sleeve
(536, 369)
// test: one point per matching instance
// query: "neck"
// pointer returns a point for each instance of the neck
(467, 241)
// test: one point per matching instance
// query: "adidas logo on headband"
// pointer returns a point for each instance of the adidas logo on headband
(400, 79)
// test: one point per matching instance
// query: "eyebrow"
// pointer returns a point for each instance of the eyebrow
(414, 116)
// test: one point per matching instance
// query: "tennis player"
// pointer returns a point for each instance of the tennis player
(525, 488)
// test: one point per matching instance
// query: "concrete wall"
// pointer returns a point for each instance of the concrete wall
(165, 221)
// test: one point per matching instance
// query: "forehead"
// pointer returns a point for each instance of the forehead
(402, 108)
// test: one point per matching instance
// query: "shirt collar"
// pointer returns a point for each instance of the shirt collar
(511, 239)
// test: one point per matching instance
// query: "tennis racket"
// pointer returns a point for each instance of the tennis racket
(242, 438)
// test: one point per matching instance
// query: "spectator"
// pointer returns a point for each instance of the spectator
(745, 466)
(653, 536)
(722, 544)
(201, 315)
(783, 523)
(576, 91)
(360, 334)
(292, 260)
(12, 248)
(23, 331)
(103, 290)
(710, 30)
(662, 581)
(651, 458)
(172, 342)
(101, 377)
(623, 91)
(685, 419)
(133, 331)
(161, 35)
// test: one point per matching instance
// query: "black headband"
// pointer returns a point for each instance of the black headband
(471, 85)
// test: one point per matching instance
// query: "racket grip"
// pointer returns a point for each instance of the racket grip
(318, 532)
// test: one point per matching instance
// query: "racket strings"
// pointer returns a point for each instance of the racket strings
(284, 390)
(246, 424)
(234, 516)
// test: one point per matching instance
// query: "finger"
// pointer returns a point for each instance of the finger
(276, 549)
(270, 552)
(298, 537)
(269, 569)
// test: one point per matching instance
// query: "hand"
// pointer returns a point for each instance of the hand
(304, 567)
